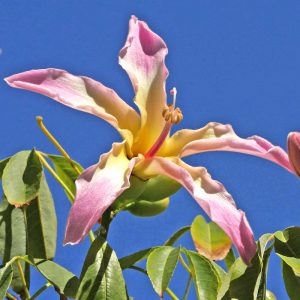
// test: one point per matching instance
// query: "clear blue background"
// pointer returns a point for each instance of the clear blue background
(235, 62)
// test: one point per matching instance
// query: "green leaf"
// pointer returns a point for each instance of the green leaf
(175, 236)
(143, 208)
(21, 178)
(65, 281)
(161, 264)
(101, 276)
(6, 274)
(65, 171)
(205, 276)
(249, 282)
(229, 259)
(13, 240)
(291, 281)
(287, 247)
(210, 240)
(130, 260)
(158, 188)
(41, 224)
(3, 163)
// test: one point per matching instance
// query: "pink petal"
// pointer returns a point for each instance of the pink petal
(294, 151)
(219, 137)
(143, 58)
(81, 93)
(211, 196)
(97, 188)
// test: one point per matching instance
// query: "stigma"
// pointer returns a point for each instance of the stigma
(172, 115)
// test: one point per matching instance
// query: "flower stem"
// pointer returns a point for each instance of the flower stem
(188, 285)
(105, 223)
(10, 296)
(53, 173)
(171, 294)
(38, 292)
(23, 279)
(184, 264)
(60, 148)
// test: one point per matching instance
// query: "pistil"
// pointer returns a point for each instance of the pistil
(172, 116)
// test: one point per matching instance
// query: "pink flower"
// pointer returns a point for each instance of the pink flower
(294, 151)
(148, 150)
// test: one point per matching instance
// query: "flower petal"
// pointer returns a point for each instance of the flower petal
(220, 137)
(294, 151)
(211, 196)
(81, 93)
(143, 58)
(97, 188)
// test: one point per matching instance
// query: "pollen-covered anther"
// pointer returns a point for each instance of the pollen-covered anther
(172, 115)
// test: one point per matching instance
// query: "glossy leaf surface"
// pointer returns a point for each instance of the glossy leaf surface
(101, 276)
(6, 274)
(161, 264)
(13, 239)
(41, 224)
(248, 282)
(205, 276)
(21, 178)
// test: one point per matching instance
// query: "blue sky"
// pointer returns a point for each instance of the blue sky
(234, 62)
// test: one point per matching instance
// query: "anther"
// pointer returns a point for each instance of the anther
(172, 115)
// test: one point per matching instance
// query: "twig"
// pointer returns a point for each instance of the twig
(184, 264)
(23, 279)
(39, 291)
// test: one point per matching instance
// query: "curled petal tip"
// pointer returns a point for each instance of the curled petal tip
(294, 151)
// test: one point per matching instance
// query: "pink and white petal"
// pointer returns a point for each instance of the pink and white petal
(81, 93)
(220, 137)
(211, 196)
(294, 151)
(143, 58)
(96, 189)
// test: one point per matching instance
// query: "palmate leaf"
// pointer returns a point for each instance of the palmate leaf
(161, 264)
(29, 228)
(248, 282)
(287, 247)
(13, 240)
(101, 276)
(21, 178)
(63, 280)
